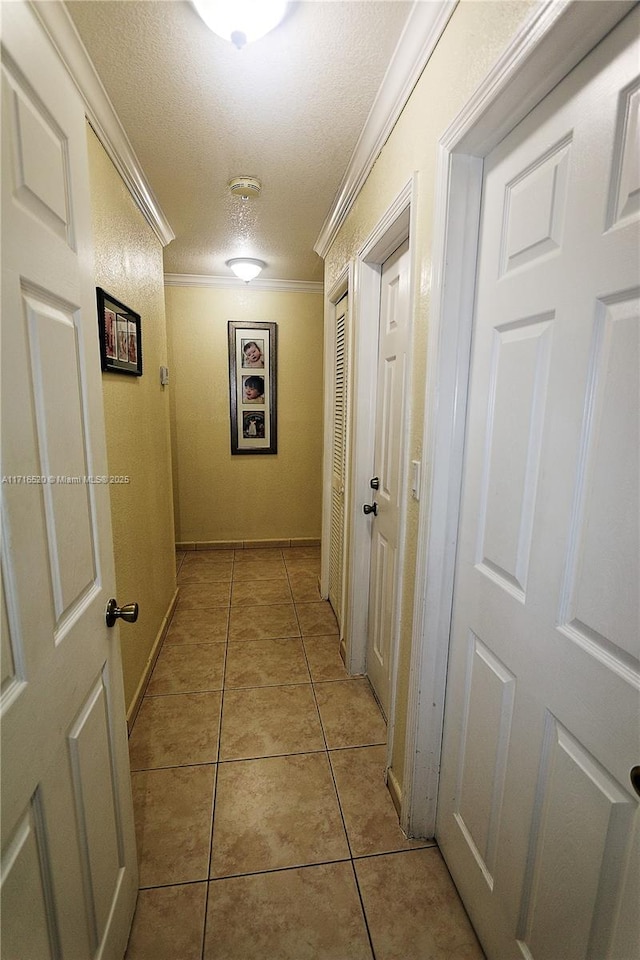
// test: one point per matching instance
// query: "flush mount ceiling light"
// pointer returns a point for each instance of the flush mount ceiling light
(241, 21)
(246, 268)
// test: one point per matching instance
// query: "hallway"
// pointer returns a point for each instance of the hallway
(258, 763)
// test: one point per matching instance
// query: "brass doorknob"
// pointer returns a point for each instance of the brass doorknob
(129, 612)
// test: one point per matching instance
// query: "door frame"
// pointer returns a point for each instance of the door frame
(551, 41)
(393, 228)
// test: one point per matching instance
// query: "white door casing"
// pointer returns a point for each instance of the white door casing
(69, 873)
(537, 817)
(388, 474)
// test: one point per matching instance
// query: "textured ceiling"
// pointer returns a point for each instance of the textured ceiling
(288, 109)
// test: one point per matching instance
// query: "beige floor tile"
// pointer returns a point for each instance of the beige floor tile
(269, 721)
(302, 564)
(322, 919)
(325, 662)
(168, 923)
(258, 554)
(261, 663)
(190, 625)
(413, 908)
(316, 619)
(176, 729)
(264, 622)
(257, 568)
(305, 587)
(276, 812)
(198, 626)
(173, 823)
(202, 596)
(213, 555)
(188, 668)
(251, 593)
(205, 571)
(369, 814)
(309, 552)
(350, 715)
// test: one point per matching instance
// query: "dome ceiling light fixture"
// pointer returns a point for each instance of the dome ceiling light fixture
(246, 268)
(241, 21)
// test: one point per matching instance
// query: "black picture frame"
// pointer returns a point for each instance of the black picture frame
(253, 354)
(120, 330)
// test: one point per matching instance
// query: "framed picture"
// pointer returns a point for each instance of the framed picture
(252, 384)
(120, 335)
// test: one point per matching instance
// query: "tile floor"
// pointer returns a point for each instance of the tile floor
(264, 826)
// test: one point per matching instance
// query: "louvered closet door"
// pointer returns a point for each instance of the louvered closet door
(337, 548)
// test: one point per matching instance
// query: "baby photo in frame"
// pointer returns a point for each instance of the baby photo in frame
(252, 386)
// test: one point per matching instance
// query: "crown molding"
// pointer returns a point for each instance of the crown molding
(100, 113)
(421, 33)
(229, 283)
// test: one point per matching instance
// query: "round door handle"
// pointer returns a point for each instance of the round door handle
(634, 776)
(371, 508)
(113, 612)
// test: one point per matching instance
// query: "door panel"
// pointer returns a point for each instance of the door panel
(599, 606)
(585, 839)
(390, 413)
(518, 379)
(537, 818)
(27, 888)
(69, 874)
(61, 448)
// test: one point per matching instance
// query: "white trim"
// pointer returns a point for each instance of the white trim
(101, 114)
(457, 218)
(227, 283)
(424, 27)
(552, 40)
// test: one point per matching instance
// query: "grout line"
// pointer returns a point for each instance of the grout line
(293, 866)
(273, 756)
(215, 786)
(178, 883)
(362, 907)
(175, 766)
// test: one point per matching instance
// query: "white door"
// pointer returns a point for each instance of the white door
(69, 874)
(538, 819)
(337, 546)
(386, 493)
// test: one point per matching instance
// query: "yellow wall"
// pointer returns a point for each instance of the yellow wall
(475, 37)
(220, 497)
(128, 259)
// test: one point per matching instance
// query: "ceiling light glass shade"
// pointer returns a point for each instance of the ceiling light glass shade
(246, 268)
(241, 21)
